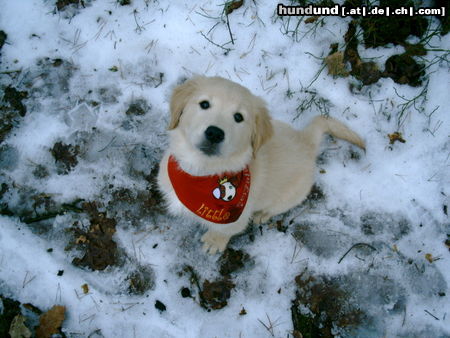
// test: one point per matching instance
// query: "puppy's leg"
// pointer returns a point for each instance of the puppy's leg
(261, 217)
(217, 237)
(214, 241)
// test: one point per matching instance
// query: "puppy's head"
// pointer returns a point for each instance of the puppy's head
(218, 119)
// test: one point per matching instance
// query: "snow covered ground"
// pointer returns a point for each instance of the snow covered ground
(98, 79)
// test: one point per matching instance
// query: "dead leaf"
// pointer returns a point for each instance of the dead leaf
(335, 64)
(233, 5)
(50, 322)
(396, 136)
(429, 257)
(85, 288)
(312, 19)
(18, 329)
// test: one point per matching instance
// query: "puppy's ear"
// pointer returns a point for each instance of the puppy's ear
(262, 129)
(178, 101)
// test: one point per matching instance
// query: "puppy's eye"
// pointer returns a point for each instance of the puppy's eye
(238, 117)
(204, 104)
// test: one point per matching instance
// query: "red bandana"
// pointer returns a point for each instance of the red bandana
(219, 198)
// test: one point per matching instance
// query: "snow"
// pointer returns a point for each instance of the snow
(112, 56)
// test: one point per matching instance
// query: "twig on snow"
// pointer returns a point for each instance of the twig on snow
(432, 315)
(227, 50)
(354, 246)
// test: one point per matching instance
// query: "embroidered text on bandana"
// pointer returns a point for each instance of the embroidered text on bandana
(217, 198)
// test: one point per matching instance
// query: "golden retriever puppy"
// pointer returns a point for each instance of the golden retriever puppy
(229, 162)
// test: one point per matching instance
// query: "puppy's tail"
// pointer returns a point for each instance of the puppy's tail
(328, 125)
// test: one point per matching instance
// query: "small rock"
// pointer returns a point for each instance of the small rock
(160, 306)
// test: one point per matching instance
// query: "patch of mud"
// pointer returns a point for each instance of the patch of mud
(3, 37)
(141, 280)
(366, 72)
(12, 110)
(374, 223)
(381, 30)
(138, 107)
(404, 69)
(134, 205)
(316, 195)
(14, 98)
(40, 171)
(36, 209)
(232, 260)
(212, 295)
(329, 304)
(348, 302)
(381, 278)
(61, 4)
(65, 156)
(100, 250)
(69, 8)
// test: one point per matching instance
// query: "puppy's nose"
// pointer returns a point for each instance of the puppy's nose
(214, 134)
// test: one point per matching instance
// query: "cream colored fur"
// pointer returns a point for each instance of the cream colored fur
(281, 159)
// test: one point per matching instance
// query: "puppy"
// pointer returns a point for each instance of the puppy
(229, 162)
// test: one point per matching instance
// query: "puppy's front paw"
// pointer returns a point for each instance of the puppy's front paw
(214, 242)
(261, 217)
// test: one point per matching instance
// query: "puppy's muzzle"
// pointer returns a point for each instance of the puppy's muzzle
(211, 143)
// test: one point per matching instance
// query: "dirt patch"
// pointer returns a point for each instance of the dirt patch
(380, 31)
(65, 156)
(100, 249)
(214, 295)
(14, 97)
(375, 223)
(232, 260)
(404, 69)
(40, 171)
(3, 38)
(137, 107)
(366, 72)
(12, 110)
(134, 205)
(61, 4)
(153, 201)
(328, 303)
(141, 280)
(316, 194)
